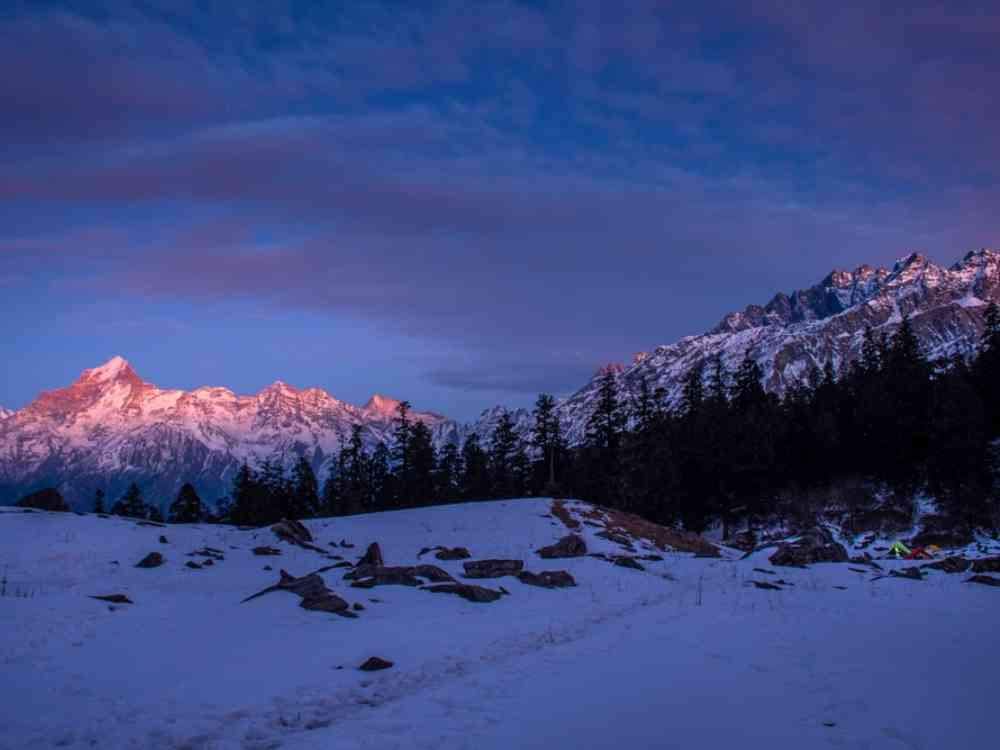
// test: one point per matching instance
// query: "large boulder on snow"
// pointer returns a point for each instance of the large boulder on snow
(492, 568)
(986, 565)
(152, 560)
(950, 565)
(453, 553)
(571, 545)
(815, 545)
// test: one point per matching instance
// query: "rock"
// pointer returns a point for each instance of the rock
(816, 545)
(152, 560)
(985, 580)
(492, 568)
(208, 562)
(569, 546)
(651, 558)
(765, 571)
(313, 591)
(326, 602)
(455, 553)
(424, 550)
(624, 561)
(373, 556)
(950, 565)
(265, 550)
(345, 544)
(766, 585)
(268, 567)
(432, 573)
(986, 565)
(466, 590)
(913, 574)
(151, 523)
(367, 576)
(374, 664)
(193, 565)
(503, 591)
(163, 539)
(292, 531)
(549, 579)
(358, 607)
(113, 598)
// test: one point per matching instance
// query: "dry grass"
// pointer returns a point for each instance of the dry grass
(560, 511)
(636, 528)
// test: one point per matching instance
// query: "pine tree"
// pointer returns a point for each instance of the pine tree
(187, 508)
(423, 466)
(401, 445)
(248, 498)
(99, 501)
(380, 479)
(605, 428)
(693, 392)
(131, 503)
(152, 513)
(304, 491)
(449, 472)
(475, 483)
(503, 448)
(546, 439)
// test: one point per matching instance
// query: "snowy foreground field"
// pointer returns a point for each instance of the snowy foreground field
(687, 653)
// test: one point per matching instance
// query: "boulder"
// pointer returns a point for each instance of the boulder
(492, 568)
(193, 565)
(313, 592)
(454, 553)
(985, 580)
(265, 550)
(816, 545)
(292, 531)
(913, 574)
(986, 565)
(326, 602)
(745, 541)
(571, 545)
(374, 664)
(766, 585)
(615, 536)
(950, 565)
(152, 560)
(466, 590)
(624, 561)
(373, 556)
(432, 573)
(548, 579)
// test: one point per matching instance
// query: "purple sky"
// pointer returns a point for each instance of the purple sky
(464, 203)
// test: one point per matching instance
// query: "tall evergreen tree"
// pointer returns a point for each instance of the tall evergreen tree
(475, 483)
(187, 508)
(303, 491)
(131, 503)
(502, 460)
(99, 501)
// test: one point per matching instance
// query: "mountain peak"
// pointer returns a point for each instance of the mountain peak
(115, 368)
(380, 404)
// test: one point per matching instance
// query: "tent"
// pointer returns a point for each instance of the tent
(919, 553)
(899, 550)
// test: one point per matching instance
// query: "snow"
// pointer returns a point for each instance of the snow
(684, 654)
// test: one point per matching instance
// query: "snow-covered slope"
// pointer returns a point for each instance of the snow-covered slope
(110, 427)
(686, 653)
(4, 413)
(793, 334)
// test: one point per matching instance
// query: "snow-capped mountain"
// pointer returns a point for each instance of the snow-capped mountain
(110, 427)
(4, 413)
(794, 333)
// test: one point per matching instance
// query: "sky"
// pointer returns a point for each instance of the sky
(464, 203)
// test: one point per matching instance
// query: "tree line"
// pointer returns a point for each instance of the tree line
(727, 451)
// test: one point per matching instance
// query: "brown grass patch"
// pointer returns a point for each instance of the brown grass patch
(616, 521)
(560, 511)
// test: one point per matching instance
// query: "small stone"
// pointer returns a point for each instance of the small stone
(268, 567)
(358, 607)
(549, 579)
(766, 585)
(114, 598)
(265, 550)
(152, 560)
(163, 539)
(374, 664)
(193, 565)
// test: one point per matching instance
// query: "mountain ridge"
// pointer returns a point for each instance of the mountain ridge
(111, 427)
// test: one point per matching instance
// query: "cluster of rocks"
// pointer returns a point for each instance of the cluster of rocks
(313, 592)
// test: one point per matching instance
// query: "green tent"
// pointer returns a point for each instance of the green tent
(899, 549)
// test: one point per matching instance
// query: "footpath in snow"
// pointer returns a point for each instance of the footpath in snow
(684, 653)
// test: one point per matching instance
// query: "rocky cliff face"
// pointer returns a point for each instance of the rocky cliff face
(110, 427)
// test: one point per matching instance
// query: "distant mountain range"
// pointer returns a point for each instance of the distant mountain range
(110, 427)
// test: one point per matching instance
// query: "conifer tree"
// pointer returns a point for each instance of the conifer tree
(131, 503)
(475, 483)
(503, 450)
(304, 491)
(99, 501)
(187, 508)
